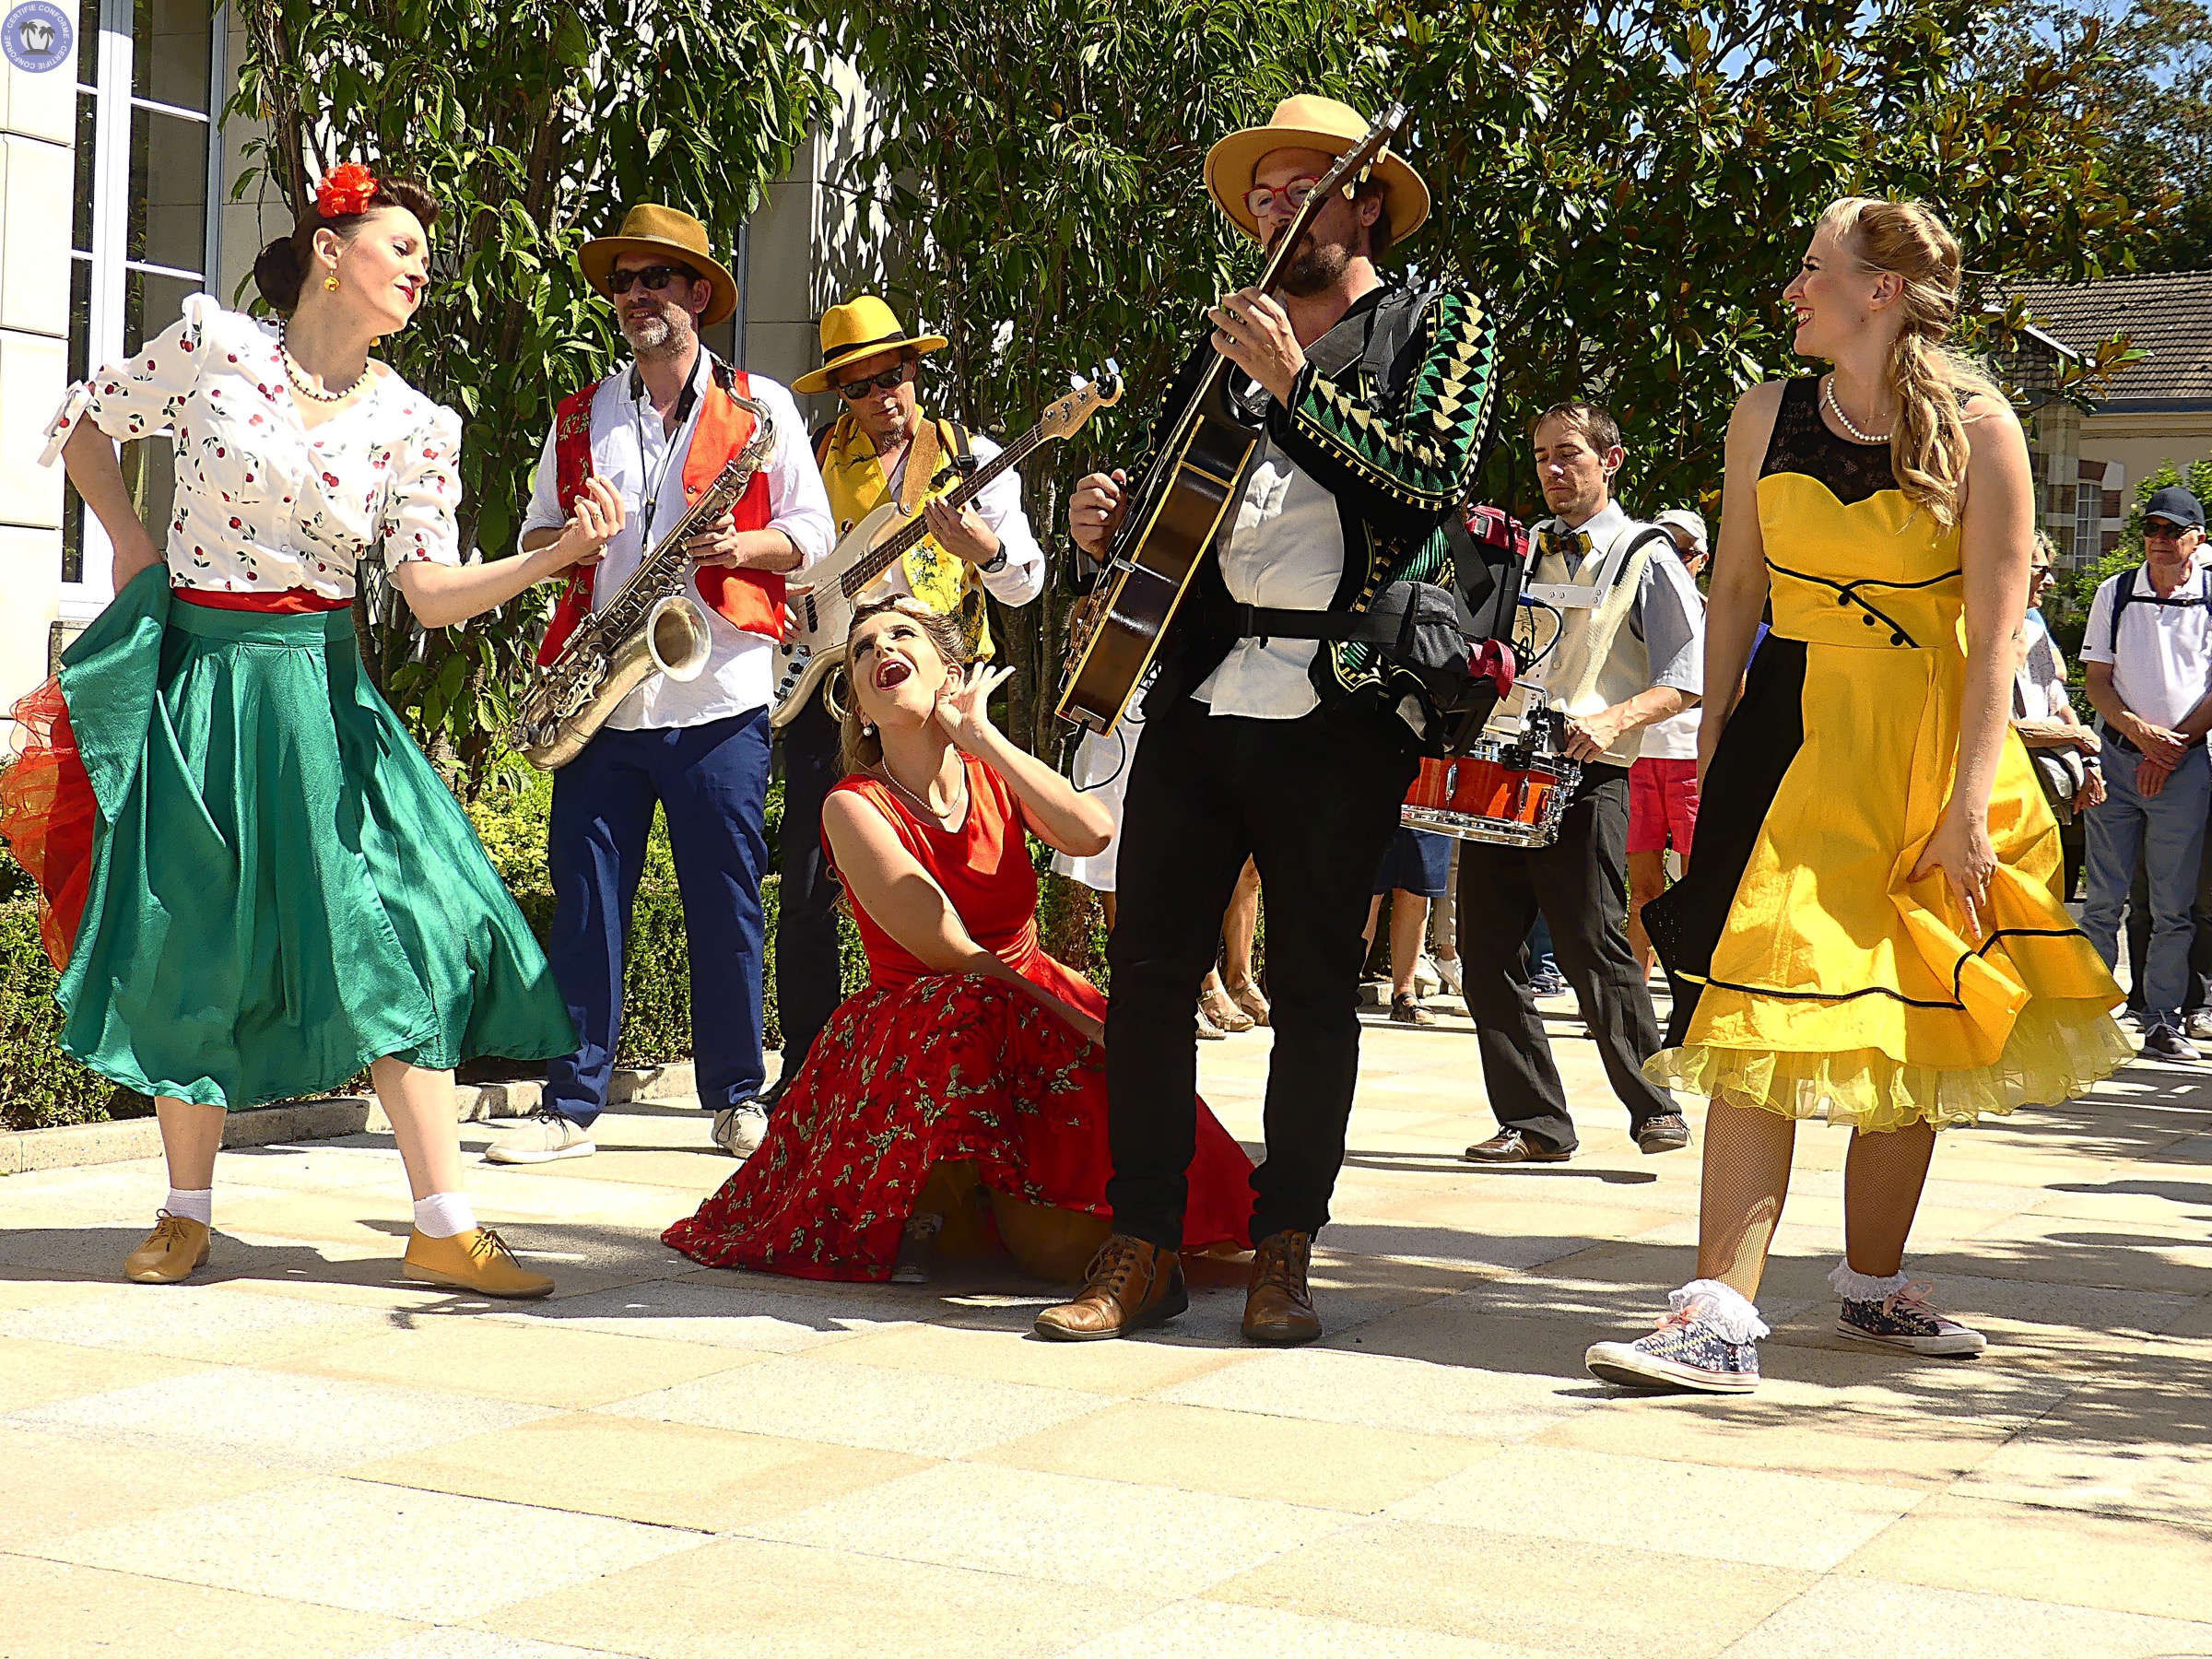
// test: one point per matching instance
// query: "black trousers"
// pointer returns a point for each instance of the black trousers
(807, 984)
(1315, 804)
(1579, 884)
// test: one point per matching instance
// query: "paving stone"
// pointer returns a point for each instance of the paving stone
(1380, 1390)
(40, 1373)
(733, 1310)
(1017, 1356)
(383, 1550)
(77, 1611)
(306, 1423)
(457, 1642)
(1861, 1618)
(1209, 1626)
(1104, 1533)
(667, 1474)
(192, 1321)
(57, 1485)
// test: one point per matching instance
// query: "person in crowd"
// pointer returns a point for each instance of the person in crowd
(2147, 656)
(1869, 931)
(254, 883)
(1443, 928)
(1229, 998)
(2066, 753)
(656, 434)
(1663, 781)
(1544, 976)
(1413, 875)
(1626, 656)
(883, 446)
(1376, 400)
(970, 1063)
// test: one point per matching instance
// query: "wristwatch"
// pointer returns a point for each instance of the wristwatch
(996, 563)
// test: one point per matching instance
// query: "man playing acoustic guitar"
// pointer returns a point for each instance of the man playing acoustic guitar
(882, 447)
(1297, 752)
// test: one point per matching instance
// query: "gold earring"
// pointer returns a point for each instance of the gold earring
(331, 282)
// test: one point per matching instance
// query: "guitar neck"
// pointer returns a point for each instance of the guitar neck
(894, 547)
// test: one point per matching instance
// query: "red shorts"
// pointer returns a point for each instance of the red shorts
(1663, 804)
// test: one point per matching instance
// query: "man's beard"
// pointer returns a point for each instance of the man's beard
(656, 336)
(1315, 267)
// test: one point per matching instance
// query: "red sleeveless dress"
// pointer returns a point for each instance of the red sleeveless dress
(922, 1068)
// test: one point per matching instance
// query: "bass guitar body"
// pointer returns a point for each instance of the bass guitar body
(1171, 521)
(822, 616)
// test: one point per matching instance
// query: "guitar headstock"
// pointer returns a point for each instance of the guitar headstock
(1349, 169)
(1064, 416)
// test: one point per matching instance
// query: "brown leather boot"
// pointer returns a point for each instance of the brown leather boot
(1130, 1285)
(1278, 1308)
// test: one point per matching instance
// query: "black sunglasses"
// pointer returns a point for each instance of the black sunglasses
(656, 278)
(2165, 528)
(853, 390)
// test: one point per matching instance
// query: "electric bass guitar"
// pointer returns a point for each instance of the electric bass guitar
(1174, 511)
(837, 587)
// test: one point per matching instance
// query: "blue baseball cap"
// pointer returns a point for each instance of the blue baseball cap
(2177, 506)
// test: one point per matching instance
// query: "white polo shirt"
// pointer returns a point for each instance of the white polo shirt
(2164, 665)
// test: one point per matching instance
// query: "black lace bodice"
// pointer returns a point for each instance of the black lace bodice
(1803, 444)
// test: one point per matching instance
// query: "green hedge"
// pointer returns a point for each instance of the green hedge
(41, 1086)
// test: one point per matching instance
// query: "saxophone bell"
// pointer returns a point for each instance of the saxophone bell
(677, 637)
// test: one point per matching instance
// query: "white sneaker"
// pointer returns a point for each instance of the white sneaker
(738, 1129)
(544, 1138)
(1448, 970)
(2199, 1028)
(1426, 980)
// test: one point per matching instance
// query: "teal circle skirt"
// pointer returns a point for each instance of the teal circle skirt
(280, 888)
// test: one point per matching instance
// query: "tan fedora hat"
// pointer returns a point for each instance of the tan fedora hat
(861, 328)
(651, 229)
(1309, 122)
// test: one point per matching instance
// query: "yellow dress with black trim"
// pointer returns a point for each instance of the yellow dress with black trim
(1813, 977)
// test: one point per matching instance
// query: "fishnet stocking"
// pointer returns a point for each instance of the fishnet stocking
(1746, 1180)
(1882, 1178)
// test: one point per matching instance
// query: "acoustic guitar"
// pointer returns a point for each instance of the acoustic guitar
(1179, 504)
(849, 578)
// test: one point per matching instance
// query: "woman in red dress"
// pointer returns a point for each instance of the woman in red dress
(972, 1059)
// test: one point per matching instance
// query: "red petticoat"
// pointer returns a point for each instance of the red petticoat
(47, 814)
(946, 1068)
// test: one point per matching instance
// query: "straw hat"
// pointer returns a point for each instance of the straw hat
(651, 229)
(1320, 123)
(858, 329)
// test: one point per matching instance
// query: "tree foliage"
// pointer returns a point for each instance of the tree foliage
(536, 123)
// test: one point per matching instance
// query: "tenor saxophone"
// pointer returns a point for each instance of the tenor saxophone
(651, 626)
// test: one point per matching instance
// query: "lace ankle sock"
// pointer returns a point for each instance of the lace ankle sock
(1726, 1308)
(193, 1206)
(442, 1215)
(1864, 1286)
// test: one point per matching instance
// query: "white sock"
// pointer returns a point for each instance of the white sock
(193, 1206)
(1726, 1308)
(1853, 1285)
(442, 1215)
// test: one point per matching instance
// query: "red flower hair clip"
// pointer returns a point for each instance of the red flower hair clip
(345, 190)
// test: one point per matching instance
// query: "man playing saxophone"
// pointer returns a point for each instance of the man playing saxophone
(625, 458)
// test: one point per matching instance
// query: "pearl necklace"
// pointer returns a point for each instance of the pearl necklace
(883, 770)
(306, 387)
(1828, 396)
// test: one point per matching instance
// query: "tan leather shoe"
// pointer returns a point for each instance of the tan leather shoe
(171, 1251)
(1278, 1308)
(1130, 1285)
(476, 1259)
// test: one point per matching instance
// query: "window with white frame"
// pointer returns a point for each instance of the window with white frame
(149, 184)
(2088, 502)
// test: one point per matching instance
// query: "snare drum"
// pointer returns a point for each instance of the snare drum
(1495, 791)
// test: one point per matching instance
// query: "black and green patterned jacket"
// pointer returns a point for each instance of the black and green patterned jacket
(1392, 415)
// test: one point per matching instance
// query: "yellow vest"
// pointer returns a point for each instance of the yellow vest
(853, 477)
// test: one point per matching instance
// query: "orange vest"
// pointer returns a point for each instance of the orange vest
(751, 601)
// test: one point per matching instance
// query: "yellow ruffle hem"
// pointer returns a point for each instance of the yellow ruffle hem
(2058, 1048)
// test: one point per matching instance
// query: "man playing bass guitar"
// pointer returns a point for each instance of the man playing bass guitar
(882, 448)
(1376, 402)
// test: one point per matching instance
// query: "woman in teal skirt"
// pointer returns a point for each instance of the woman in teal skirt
(254, 884)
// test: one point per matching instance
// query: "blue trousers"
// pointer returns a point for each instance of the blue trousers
(2167, 832)
(712, 781)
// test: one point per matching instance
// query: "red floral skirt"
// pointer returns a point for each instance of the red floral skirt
(947, 1068)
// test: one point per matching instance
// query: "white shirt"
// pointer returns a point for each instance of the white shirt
(998, 504)
(262, 503)
(1676, 737)
(2164, 665)
(632, 453)
(1286, 552)
(2039, 683)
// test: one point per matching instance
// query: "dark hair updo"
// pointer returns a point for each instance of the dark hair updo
(284, 263)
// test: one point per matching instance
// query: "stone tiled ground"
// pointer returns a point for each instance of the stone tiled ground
(297, 1456)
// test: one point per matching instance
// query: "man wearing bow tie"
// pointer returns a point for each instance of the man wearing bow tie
(1631, 655)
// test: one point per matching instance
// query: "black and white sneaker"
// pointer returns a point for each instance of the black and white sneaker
(1894, 1312)
(2164, 1042)
(1706, 1344)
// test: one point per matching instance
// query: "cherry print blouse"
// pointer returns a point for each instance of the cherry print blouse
(262, 503)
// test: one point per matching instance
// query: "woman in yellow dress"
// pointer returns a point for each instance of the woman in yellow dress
(1872, 931)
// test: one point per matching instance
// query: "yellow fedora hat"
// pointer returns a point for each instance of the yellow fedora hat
(861, 328)
(1309, 122)
(651, 229)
